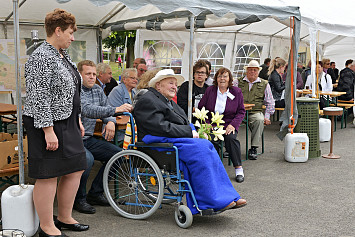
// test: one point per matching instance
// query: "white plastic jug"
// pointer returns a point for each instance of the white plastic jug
(18, 211)
(325, 127)
(296, 147)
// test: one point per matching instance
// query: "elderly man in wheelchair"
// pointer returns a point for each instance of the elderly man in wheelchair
(136, 182)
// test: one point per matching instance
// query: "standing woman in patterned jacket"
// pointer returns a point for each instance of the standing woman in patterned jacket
(54, 130)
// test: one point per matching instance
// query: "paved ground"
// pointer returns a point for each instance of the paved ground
(316, 198)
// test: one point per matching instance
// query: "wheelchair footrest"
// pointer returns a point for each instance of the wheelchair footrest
(208, 212)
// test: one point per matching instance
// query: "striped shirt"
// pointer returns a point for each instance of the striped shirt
(94, 106)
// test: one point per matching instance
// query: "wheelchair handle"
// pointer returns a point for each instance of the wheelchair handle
(131, 121)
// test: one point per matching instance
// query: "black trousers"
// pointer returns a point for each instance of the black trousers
(280, 103)
(232, 146)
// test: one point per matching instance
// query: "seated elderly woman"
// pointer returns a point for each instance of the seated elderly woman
(227, 99)
(124, 93)
(159, 119)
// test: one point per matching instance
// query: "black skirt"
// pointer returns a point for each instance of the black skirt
(70, 155)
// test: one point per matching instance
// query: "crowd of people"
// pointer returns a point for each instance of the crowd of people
(64, 100)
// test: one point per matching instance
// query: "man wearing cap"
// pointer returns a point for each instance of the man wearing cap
(256, 91)
(159, 118)
(160, 93)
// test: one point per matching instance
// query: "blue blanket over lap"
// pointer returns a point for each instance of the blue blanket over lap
(202, 167)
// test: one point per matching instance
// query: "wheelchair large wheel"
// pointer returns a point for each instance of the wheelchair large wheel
(185, 218)
(124, 175)
(169, 189)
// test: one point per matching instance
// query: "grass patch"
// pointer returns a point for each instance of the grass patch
(116, 71)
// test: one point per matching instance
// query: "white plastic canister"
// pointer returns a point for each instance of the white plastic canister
(325, 127)
(296, 147)
(18, 211)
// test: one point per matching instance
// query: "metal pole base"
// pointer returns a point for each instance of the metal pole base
(331, 156)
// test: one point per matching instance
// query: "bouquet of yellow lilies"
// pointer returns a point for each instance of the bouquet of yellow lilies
(205, 129)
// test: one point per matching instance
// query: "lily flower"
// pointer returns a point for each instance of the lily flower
(197, 124)
(201, 114)
(218, 134)
(217, 118)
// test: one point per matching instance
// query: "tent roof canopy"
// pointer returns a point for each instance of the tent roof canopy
(108, 12)
(138, 14)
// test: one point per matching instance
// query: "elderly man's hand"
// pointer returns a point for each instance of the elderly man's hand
(194, 134)
(124, 108)
(109, 131)
(267, 121)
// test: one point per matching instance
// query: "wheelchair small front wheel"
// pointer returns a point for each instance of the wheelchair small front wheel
(185, 218)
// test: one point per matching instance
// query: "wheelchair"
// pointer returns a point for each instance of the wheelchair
(137, 181)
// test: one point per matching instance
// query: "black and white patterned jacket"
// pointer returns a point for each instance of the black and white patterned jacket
(50, 86)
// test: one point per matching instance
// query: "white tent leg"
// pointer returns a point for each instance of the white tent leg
(18, 92)
(313, 48)
(191, 53)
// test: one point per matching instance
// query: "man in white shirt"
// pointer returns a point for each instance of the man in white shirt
(324, 83)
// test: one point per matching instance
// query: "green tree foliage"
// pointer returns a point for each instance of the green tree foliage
(118, 39)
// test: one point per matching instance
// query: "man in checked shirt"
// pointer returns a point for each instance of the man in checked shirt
(256, 91)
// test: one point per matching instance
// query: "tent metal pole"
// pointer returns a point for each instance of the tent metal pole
(270, 42)
(13, 12)
(124, 64)
(192, 29)
(8, 17)
(18, 92)
(99, 45)
(233, 52)
(117, 9)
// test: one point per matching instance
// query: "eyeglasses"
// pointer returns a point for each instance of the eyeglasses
(200, 73)
(143, 70)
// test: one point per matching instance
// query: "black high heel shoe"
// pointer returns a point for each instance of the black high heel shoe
(73, 227)
(41, 233)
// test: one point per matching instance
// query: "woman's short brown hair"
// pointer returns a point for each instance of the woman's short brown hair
(146, 77)
(59, 18)
(223, 70)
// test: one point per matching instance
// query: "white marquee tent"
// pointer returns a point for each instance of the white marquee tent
(95, 16)
(335, 20)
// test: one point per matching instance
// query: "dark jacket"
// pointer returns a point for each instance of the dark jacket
(234, 111)
(109, 86)
(154, 116)
(305, 73)
(263, 71)
(276, 84)
(300, 84)
(336, 72)
(197, 93)
(331, 72)
(346, 84)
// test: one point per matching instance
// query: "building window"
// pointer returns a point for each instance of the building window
(163, 54)
(214, 53)
(245, 53)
